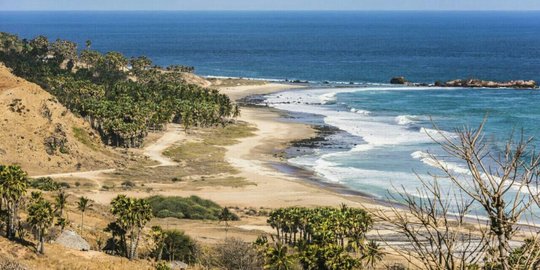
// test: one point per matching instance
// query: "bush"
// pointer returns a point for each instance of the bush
(45, 184)
(179, 247)
(163, 266)
(234, 253)
(128, 184)
(189, 208)
(64, 185)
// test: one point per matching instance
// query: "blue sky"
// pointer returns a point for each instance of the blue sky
(269, 4)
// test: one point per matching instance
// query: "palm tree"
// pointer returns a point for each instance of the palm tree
(131, 215)
(60, 202)
(40, 216)
(13, 185)
(158, 236)
(83, 205)
(373, 254)
(278, 258)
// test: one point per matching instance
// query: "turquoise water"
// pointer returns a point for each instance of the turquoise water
(394, 130)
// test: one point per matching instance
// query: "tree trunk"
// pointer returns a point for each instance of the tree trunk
(10, 233)
(136, 243)
(503, 252)
(82, 222)
(131, 245)
(160, 253)
(41, 248)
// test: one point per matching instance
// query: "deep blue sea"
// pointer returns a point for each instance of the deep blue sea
(315, 46)
(390, 126)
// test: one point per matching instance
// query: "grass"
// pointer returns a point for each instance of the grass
(200, 158)
(229, 82)
(208, 157)
(78, 183)
(83, 137)
(228, 135)
(202, 162)
(228, 181)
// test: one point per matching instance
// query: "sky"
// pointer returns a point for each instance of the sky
(269, 4)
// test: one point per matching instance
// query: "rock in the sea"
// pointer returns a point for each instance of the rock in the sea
(491, 84)
(398, 80)
(71, 239)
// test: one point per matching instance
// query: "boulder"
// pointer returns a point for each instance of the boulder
(72, 240)
(177, 265)
(398, 80)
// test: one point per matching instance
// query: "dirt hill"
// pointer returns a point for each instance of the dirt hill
(41, 135)
(17, 256)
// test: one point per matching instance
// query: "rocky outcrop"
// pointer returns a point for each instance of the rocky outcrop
(470, 83)
(71, 239)
(398, 80)
(475, 83)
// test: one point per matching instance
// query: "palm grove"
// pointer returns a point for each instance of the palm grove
(121, 98)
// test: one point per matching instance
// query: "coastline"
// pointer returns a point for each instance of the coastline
(259, 158)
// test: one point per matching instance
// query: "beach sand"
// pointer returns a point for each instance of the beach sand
(254, 158)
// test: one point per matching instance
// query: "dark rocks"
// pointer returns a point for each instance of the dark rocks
(398, 80)
(476, 83)
(471, 83)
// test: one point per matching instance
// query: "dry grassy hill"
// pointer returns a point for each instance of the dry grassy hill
(58, 257)
(41, 135)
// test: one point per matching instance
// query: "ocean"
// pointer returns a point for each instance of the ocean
(391, 132)
(363, 47)
(386, 127)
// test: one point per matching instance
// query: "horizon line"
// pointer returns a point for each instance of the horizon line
(275, 10)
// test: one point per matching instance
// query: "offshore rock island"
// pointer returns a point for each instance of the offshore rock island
(471, 83)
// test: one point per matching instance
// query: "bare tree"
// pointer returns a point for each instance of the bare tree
(498, 181)
(435, 227)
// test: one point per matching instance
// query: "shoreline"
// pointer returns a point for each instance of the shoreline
(312, 183)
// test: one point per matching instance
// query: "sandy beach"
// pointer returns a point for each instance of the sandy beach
(254, 155)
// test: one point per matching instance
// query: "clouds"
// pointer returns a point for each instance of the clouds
(269, 5)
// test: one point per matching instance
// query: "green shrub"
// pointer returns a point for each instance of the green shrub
(179, 247)
(45, 184)
(128, 184)
(188, 208)
(163, 266)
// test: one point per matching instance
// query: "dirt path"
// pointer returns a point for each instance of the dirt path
(154, 151)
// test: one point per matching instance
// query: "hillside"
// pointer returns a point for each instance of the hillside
(41, 135)
(63, 258)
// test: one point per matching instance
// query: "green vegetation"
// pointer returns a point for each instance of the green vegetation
(83, 205)
(188, 208)
(13, 186)
(201, 158)
(229, 135)
(121, 98)
(227, 181)
(319, 238)
(40, 217)
(201, 163)
(131, 216)
(45, 184)
(83, 137)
